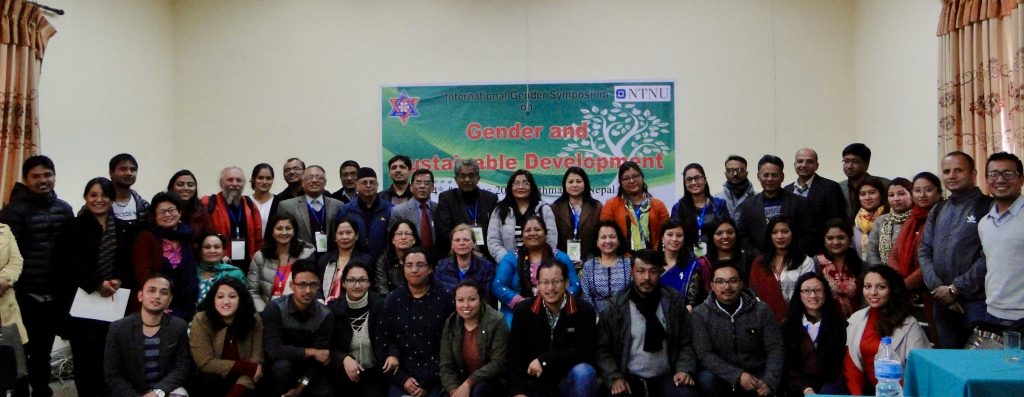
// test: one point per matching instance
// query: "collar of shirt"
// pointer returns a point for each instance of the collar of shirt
(314, 201)
(553, 317)
(1010, 212)
(806, 186)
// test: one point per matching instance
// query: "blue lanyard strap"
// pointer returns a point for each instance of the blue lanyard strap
(318, 215)
(575, 221)
(235, 218)
(700, 219)
(474, 211)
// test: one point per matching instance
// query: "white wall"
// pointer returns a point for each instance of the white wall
(204, 84)
(106, 88)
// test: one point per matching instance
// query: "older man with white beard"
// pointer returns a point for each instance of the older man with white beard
(236, 217)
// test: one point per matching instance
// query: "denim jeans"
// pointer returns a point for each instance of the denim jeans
(581, 381)
(659, 386)
(953, 328)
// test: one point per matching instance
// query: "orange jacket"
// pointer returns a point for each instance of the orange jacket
(615, 210)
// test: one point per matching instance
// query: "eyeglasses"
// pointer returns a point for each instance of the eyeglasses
(422, 183)
(294, 169)
(552, 282)
(631, 178)
(357, 280)
(416, 265)
(315, 178)
(521, 184)
(695, 178)
(1009, 175)
(812, 291)
(167, 211)
(306, 286)
(721, 281)
(403, 234)
(735, 171)
(466, 176)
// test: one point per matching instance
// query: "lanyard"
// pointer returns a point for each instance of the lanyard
(575, 221)
(474, 211)
(318, 215)
(281, 275)
(700, 219)
(638, 211)
(686, 274)
(235, 218)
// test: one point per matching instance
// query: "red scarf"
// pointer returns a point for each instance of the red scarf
(908, 240)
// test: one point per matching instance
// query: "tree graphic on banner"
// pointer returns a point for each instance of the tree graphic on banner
(621, 131)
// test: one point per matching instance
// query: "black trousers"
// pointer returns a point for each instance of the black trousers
(41, 321)
(88, 342)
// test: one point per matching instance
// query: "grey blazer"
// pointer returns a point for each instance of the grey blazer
(124, 362)
(410, 211)
(298, 209)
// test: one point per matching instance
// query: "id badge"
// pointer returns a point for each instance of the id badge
(237, 250)
(321, 242)
(701, 249)
(572, 248)
(478, 235)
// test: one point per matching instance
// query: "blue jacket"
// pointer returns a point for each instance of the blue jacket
(506, 281)
(480, 270)
(372, 228)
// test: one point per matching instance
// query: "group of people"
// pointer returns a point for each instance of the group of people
(363, 291)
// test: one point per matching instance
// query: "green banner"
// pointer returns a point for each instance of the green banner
(544, 128)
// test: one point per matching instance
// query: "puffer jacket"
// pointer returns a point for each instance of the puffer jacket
(750, 341)
(39, 222)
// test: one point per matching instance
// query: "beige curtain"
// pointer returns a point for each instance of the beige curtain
(981, 82)
(24, 32)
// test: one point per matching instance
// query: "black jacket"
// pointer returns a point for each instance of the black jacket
(824, 202)
(573, 341)
(342, 336)
(85, 237)
(40, 224)
(451, 211)
(752, 222)
(749, 341)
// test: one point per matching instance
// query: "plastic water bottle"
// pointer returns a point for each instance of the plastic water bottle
(888, 370)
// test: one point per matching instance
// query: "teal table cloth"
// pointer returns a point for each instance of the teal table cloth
(968, 373)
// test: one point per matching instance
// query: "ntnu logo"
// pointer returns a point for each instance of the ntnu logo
(643, 93)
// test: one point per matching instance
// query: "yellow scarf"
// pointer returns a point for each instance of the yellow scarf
(865, 220)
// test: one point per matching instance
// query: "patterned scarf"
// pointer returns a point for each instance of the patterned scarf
(638, 236)
(108, 249)
(909, 238)
(865, 220)
(886, 238)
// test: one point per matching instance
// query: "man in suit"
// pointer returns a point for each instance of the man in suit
(147, 353)
(771, 203)
(348, 171)
(468, 204)
(420, 210)
(824, 196)
(313, 210)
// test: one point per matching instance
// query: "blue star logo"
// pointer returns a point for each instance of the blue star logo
(404, 107)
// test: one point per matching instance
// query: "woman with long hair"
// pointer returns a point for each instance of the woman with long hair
(183, 184)
(927, 191)
(516, 276)
(226, 339)
(522, 199)
(873, 204)
(608, 273)
(465, 263)
(388, 272)
(474, 344)
(697, 205)
(576, 216)
(638, 213)
(773, 275)
(887, 227)
(271, 268)
(356, 316)
(684, 272)
(103, 266)
(165, 246)
(841, 266)
(814, 337)
(261, 181)
(212, 266)
(726, 248)
(340, 254)
(887, 314)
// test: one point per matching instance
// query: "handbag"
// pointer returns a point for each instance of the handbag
(11, 338)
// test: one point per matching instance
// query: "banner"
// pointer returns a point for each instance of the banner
(543, 128)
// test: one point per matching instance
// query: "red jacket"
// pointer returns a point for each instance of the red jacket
(220, 222)
(615, 209)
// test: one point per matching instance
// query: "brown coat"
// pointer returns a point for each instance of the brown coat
(208, 345)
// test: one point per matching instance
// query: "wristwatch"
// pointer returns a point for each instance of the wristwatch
(952, 289)
(304, 381)
(159, 393)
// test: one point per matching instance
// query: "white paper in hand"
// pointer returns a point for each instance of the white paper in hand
(95, 307)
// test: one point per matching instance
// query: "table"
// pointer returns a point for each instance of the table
(969, 373)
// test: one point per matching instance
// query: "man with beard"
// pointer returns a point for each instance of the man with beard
(147, 353)
(348, 171)
(128, 205)
(737, 187)
(297, 332)
(293, 169)
(398, 170)
(313, 210)
(737, 340)
(236, 217)
(644, 346)
(39, 220)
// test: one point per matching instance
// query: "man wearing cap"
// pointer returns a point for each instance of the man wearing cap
(370, 213)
